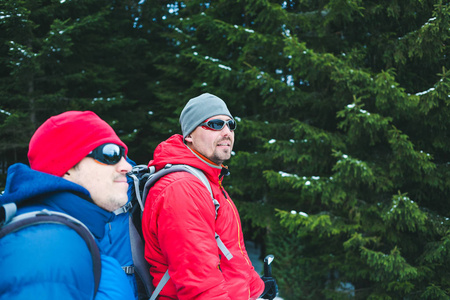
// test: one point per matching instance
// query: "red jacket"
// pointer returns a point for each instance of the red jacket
(179, 225)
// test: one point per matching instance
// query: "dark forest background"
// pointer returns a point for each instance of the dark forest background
(341, 164)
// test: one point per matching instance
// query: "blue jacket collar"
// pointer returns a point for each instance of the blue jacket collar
(33, 190)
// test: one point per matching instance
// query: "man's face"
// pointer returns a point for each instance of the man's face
(107, 184)
(216, 145)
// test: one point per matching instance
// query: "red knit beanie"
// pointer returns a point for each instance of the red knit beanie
(64, 140)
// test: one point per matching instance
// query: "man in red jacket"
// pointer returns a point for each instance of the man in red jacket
(179, 220)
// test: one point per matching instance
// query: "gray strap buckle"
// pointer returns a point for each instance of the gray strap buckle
(123, 209)
(128, 269)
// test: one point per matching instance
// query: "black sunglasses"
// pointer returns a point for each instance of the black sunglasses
(109, 154)
(217, 124)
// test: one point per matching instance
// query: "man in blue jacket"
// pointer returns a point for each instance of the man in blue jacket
(78, 167)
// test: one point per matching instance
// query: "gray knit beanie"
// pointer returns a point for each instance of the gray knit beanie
(199, 109)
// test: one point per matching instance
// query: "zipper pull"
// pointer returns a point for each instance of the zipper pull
(109, 233)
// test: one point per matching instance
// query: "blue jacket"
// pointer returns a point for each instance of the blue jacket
(117, 239)
(51, 261)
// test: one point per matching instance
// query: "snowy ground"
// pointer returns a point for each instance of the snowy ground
(254, 253)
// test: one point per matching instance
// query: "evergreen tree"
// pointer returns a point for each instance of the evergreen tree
(343, 108)
(341, 156)
(71, 55)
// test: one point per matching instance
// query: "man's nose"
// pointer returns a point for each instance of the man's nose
(123, 166)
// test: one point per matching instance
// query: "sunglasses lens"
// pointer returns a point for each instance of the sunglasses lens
(109, 154)
(232, 124)
(218, 124)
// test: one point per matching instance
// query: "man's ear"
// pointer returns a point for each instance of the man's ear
(72, 171)
(66, 175)
(188, 138)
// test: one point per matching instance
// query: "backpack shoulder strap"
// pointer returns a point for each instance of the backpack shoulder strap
(160, 286)
(169, 168)
(141, 266)
(44, 216)
(200, 175)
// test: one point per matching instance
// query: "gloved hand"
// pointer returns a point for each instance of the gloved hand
(270, 288)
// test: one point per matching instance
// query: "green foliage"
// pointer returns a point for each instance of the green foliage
(341, 154)
(404, 214)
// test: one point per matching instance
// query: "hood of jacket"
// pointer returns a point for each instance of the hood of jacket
(34, 190)
(175, 151)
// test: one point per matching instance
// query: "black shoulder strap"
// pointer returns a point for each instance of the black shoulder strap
(39, 217)
(141, 266)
